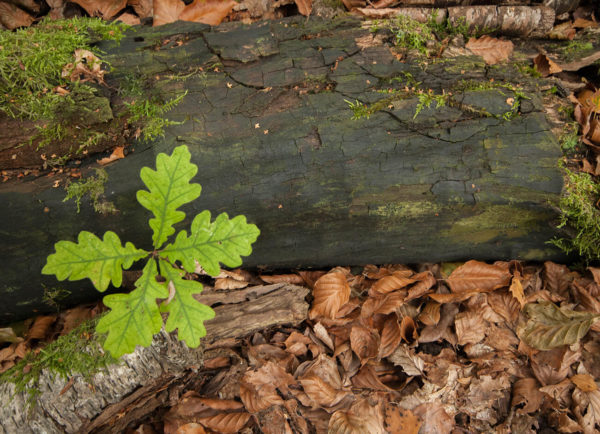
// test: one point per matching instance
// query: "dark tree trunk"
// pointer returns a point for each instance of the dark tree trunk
(267, 121)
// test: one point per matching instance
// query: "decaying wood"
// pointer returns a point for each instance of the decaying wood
(532, 21)
(149, 377)
(269, 125)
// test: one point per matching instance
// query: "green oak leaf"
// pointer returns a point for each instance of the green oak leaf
(209, 243)
(185, 313)
(102, 261)
(169, 187)
(134, 318)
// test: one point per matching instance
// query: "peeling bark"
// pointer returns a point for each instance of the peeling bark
(150, 377)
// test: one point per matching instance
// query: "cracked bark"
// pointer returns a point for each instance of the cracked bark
(267, 123)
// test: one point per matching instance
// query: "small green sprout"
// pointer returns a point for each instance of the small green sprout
(135, 317)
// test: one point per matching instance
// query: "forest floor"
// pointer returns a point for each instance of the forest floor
(426, 348)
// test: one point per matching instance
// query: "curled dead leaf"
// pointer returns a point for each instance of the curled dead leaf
(330, 293)
(526, 391)
(390, 283)
(545, 66)
(116, 154)
(364, 342)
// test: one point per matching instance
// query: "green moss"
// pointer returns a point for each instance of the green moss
(491, 222)
(576, 48)
(94, 188)
(569, 139)
(149, 115)
(32, 60)
(76, 353)
(580, 214)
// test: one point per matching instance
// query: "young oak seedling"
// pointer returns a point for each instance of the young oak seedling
(135, 317)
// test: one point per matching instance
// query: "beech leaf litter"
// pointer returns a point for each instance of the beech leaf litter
(502, 347)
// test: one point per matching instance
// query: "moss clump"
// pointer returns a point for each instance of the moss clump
(94, 188)
(579, 212)
(149, 114)
(32, 61)
(76, 353)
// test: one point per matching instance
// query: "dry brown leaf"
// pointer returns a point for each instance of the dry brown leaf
(435, 333)
(40, 327)
(211, 12)
(364, 342)
(526, 391)
(397, 280)
(399, 420)
(434, 417)
(129, 19)
(430, 315)
(12, 17)
(390, 337)
(491, 49)
(72, 318)
(545, 66)
(475, 275)
(584, 382)
(470, 328)
(167, 11)
(425, 281)
(516, 288)
(296, 344)
(258, 388)
(383, 305)
(330, 293)
(581, 23)
(304, 6)
(321, 332)
(228, 283)
(505, 305)
(102, 8)
(191, 428)
(587, 410)
(226, 422)
(311, 277)
(375, 273)
(563, 31)
(116, 154)
(322, 392)
(408, 330)
(367, 378)
(360, 419)
(143, 8)
(411, 364)
(86, 67)
(283, 278)
(557, 278)
(553, 366)
(455, 297)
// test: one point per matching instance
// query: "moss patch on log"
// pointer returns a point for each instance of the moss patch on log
(78, 352)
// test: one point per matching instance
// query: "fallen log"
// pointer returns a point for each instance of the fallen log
(268, 123)
(150, 377)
